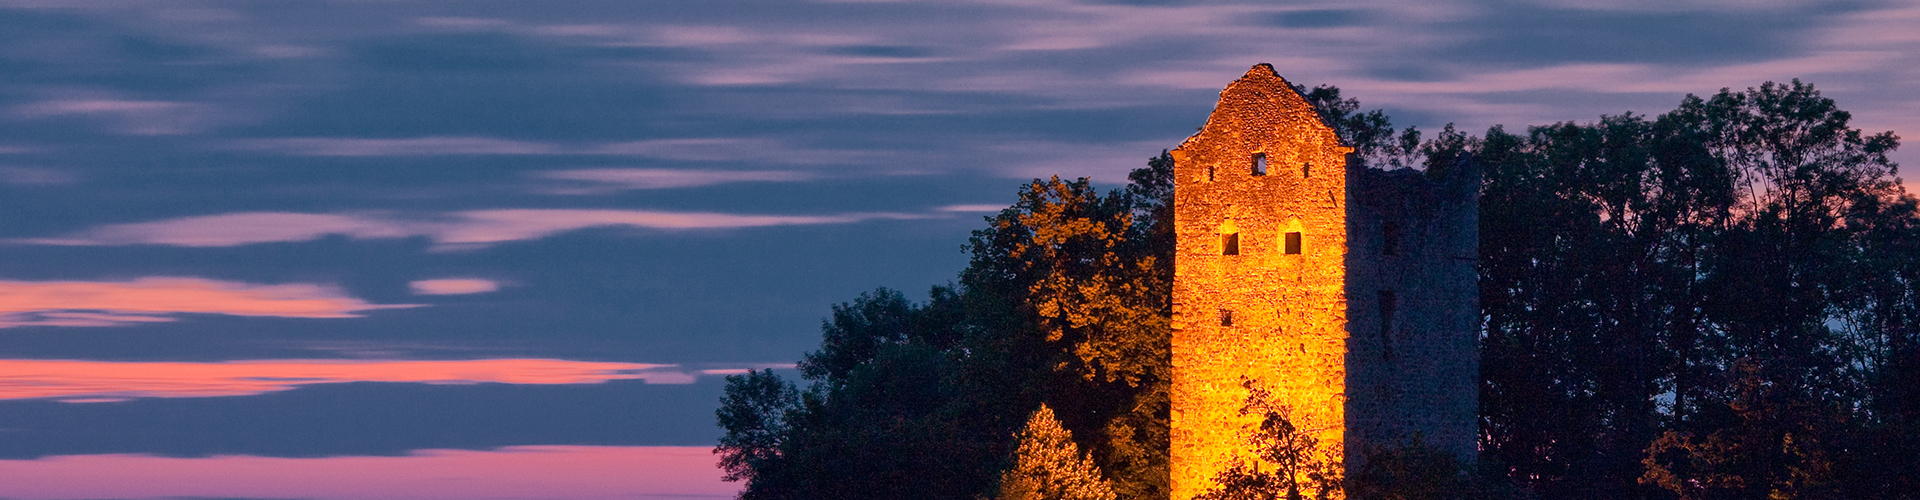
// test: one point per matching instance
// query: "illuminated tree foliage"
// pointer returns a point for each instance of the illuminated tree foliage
(1049, 466)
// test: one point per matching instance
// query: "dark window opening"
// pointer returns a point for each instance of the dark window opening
(1226, 317)
(1293, 243)
(1209, 174)
(1230, 244)
(1259, 164)
(1306, 169)
(1390, 238)
(1388, 302)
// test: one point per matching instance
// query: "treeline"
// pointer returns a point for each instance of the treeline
(1722, 301)
(1066, 301)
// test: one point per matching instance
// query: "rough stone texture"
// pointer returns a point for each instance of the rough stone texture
(1417, 373)
(1289, 311)
(1306, 326)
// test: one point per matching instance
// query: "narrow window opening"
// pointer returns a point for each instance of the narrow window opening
(1293, 243)
(1230, 244)
(1388, 302)
(1259, 164)
(1306, 169)
(1209, 174)
(1390, 238)
(1226, 317)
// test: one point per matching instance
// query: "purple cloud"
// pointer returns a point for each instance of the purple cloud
(602, 180)
(469, 229)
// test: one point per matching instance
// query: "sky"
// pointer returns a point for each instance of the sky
(507, 249)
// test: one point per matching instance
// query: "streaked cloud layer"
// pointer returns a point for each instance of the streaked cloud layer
(151, 300)
(107, 381)
(604, 179)
(514, 472)
(456, 230)
(668, 185)
(452, 286)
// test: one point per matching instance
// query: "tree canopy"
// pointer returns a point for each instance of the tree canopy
(1066, 302)
(1721, 301)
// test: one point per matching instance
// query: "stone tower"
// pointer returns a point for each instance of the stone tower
(1348, 292)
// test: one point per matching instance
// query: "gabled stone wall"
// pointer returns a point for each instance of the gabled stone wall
(1288, 311)
(1308, 326)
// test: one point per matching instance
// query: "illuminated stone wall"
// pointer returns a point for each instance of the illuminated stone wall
(1309, 326)
(1289, 311)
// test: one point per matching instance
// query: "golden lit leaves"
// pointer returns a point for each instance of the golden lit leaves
(1089, 275)
(1049, 466)
(1086, 286)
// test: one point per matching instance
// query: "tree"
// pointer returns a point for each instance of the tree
(1080, 286)
(1703, 298)
(1066, 302)
(1298, 467)
(754, 414)
(1049, 466)
(1370, 134)
(886, 415)
(1721, 301)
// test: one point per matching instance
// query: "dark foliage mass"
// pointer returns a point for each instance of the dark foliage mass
(1711, 303)
(1719, 302)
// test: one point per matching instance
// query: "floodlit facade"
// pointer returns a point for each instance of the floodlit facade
(1348, 292)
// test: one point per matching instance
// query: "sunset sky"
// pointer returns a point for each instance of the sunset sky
(509, 249)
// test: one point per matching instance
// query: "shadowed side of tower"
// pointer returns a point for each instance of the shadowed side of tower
(1412, 348)
(1260, 215)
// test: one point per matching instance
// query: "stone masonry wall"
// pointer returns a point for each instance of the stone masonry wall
(1288, 312)
(1413, 367)
(1314, 327)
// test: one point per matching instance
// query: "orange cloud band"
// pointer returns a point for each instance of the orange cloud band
(517, 472)
(100, 381)
(85, 303)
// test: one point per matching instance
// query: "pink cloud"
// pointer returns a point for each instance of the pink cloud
(233, 229)
(982, 207)
(484, 227)
(87, 303)
(418, 146)
(660, 178)
(453, 286)
(92, 381)
(92, 106)
(130, 116)
(457, 230)
(516, 472)
(692, 149)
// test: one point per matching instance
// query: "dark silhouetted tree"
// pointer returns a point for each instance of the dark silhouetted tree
(1695, 305)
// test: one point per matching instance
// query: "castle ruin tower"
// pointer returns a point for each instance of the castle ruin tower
(1347, 292)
